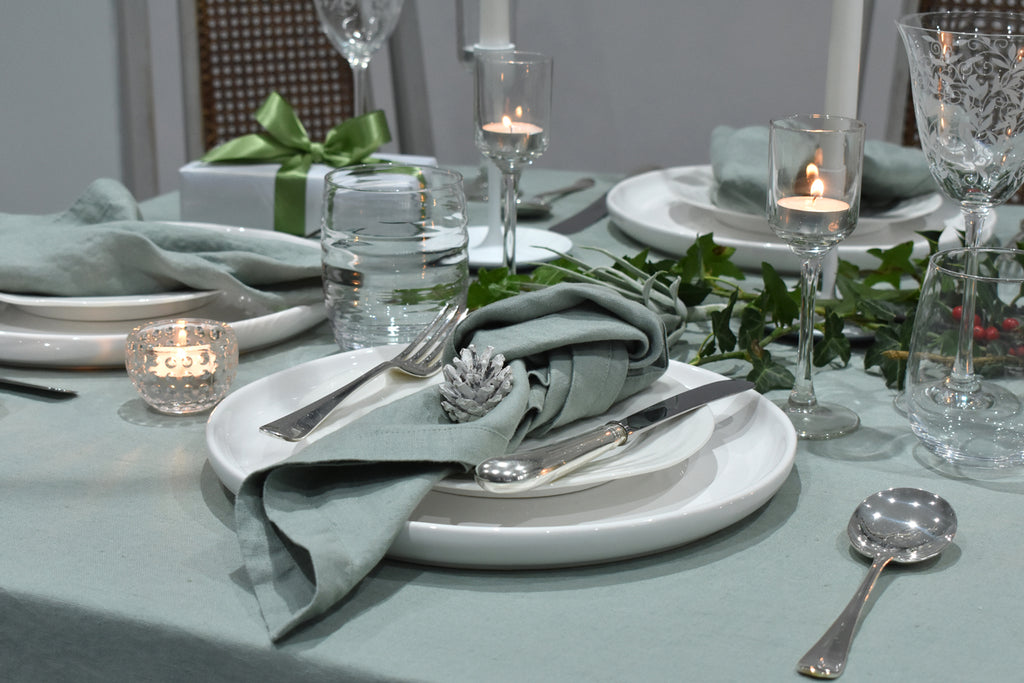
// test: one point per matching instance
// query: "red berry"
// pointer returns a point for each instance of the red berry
(1010, 324)
(979, 333)
(1020, 350)
(1012, 350)
(991, 333)
(958, 312)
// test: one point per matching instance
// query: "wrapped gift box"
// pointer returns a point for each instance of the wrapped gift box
(243, 194)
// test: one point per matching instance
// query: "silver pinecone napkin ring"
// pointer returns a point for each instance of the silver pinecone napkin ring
(474, 384)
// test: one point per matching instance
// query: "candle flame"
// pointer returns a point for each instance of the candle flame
(817, 188)
(507, 122)
(519, 112)
(812, 171)
(182, 336)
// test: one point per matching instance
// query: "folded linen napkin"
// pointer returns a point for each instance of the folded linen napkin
(102, 247)
(312, 527)
(739, 161)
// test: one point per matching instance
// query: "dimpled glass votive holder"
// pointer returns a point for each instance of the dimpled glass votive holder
(182, 366)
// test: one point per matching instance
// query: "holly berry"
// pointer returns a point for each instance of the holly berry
(1010, 324)
(958, 312)
(991, 333)
(979, 333)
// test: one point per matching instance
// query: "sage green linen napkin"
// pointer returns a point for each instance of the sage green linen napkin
(312, 527)
(739, 161)
(101, 246)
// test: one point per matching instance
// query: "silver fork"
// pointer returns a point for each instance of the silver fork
(421, 358)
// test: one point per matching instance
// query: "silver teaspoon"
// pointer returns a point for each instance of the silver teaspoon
(539, 205)
(902, 525)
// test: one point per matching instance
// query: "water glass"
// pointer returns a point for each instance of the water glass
(971, 415)
(394, 250)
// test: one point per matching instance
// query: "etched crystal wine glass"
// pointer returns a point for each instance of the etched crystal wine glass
(512, 120)
(815, 171)
(967, 79)
(357, 29)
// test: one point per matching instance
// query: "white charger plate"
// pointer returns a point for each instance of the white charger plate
(32, 339)
(649, 209)
(740, 468)
(693, 185)
(105, 308)
(238, 448)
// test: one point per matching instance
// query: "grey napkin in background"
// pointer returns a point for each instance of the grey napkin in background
(739, 161)
(102, 247)
(312, 527)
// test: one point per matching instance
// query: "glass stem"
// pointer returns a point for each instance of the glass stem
(510, 184)
(360, 89)
(803, 388)
(962, 377)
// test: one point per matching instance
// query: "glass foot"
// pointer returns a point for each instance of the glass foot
(821, 420)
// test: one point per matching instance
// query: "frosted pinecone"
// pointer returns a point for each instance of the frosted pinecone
(474, 384)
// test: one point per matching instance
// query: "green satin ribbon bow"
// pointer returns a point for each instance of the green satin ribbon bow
(287, 142)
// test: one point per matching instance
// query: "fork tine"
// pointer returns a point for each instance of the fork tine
(424, 337)
(429, 353)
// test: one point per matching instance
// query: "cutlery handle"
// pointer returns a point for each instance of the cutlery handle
(529, 470)
(827, 657)
(296, 425)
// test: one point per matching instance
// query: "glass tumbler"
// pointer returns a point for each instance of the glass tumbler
(394, 251)
(971, 412)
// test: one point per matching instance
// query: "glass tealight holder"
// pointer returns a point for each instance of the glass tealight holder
(182, 366)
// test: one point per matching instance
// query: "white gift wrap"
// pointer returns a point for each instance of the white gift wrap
(243, 194)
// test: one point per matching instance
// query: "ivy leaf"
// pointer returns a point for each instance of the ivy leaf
(493, 285)
(753, 322)
(885, 353)
(720, 325)
(895, 264)
(784, 307)
(833, 345)
(766, 374)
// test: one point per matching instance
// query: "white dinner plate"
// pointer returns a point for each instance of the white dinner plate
(648, 208)
(740, 468)
(28, 339)
(238, 447)
(533, 245)
(693, 185)
(106, 308)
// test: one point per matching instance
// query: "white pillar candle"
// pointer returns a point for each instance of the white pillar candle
(495, 25)
(842, 81)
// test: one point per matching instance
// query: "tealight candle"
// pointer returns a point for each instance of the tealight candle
(513, 138)
(182, 366)
(813, 216)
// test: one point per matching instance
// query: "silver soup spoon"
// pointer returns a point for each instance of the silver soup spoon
(902, 525)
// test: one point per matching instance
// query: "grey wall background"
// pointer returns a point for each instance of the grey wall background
(636, 83)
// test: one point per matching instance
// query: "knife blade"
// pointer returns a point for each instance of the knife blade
(520, 472)
(583, 218)
(36, 389)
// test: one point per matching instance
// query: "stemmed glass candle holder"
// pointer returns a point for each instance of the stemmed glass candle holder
(813, 204)
(512, 123)
(357, 29)
(967, 79)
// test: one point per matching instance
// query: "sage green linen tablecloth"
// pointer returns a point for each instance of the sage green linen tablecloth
(312, 527)
(121, 561)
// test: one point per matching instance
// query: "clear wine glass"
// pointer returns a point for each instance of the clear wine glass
(815, 171)
(512, 120)
(357, 29)
(967, 79)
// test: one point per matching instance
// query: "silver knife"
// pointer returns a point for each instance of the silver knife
(583, 218)
(524, 471)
